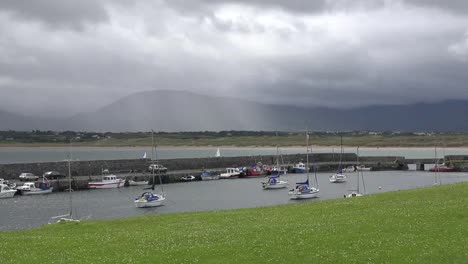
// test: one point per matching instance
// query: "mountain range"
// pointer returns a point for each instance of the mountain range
(186, 111)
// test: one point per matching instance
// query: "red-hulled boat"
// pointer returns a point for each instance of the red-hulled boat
(442, 168)
(253, 172)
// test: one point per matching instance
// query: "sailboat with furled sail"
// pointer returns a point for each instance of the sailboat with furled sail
(68, 217)
(339, 176)
(303, 190)
(149, 198)
(360, 175)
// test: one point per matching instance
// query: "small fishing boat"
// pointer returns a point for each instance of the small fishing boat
(107, 182)
(149, 199)
(209, 175)
(230, 173)
(442, 168)
(274, 183)
(6, 191)
(299, 168)
(29, 188)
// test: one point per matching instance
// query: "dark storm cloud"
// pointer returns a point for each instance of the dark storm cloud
(329, 53)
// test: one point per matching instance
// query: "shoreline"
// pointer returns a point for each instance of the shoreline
(20, 146)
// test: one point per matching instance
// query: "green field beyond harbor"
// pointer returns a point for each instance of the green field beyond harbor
(231, 138)
(417, 226)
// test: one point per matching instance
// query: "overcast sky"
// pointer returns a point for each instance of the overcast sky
(59, 57)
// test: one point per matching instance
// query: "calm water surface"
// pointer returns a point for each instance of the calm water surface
(23, 212)
(44, 154)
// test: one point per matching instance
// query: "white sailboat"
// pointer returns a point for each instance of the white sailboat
(339, 176)
(303, 190)
(68, 217)
(274, 181)
(151, 199)
(360, 174)
(218, 153)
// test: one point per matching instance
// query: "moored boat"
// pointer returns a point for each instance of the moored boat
(187, 178)
(359, 175)
(303, 190)
(300, 168)
(29, 188)
(338, 177)
(252, 172)
(137, 183)
(6, 191)
(230, 173)
(274, 183)
(149, 199)
(442, 168)
(107, 182)
(209, 175)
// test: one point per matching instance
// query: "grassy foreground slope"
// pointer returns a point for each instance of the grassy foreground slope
(417, 226)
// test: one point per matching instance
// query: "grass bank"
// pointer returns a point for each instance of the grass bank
(417, 226)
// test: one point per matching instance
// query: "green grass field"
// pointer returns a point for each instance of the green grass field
(285, 140)
(416, 226)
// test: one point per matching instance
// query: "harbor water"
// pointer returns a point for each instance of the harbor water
(47, 154)
(24, 212)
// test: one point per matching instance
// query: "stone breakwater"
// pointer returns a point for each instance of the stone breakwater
(323, 161)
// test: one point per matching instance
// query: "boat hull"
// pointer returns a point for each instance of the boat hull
(338, 178)
(295, 195)
(279, 185)
(36, 192)
(137, 183)
(225, 176)
(7, 194)
(106, 185)
(141, 203)
(351, 195)
(210, 178)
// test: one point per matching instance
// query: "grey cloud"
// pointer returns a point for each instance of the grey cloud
(57, 13)
(388, 59)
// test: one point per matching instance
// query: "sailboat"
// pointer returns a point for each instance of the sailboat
(339, 176)
(278, 170)
(151, 199)
(436, 168)
(68, 217)
(360, 173)
(144, 156)
(440, 167)
(218, 153)
(303, 190)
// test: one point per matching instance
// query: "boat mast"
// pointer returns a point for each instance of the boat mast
(277, 154)
(436, 166)
(152, 158)
(69, 178)
(358, 173)
(307, 154)
(341, 151)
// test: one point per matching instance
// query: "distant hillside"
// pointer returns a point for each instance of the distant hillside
(185, 111)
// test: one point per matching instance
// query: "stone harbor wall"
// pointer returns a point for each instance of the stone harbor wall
(325, 161)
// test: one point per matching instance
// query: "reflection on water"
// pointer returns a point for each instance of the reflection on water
(19, 155)
(23, 212)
